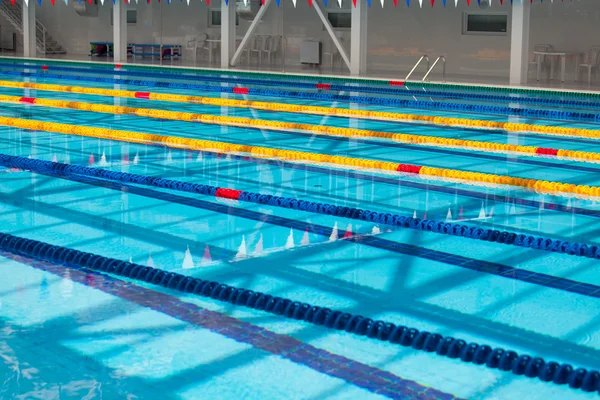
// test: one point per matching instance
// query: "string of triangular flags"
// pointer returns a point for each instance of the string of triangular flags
(408, 2)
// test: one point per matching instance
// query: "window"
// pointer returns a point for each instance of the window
(214, 18)
(485, 24)
(340, 19)
(131, 17)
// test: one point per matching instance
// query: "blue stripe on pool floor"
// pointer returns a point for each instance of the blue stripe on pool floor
(504, 271)
(353, 372)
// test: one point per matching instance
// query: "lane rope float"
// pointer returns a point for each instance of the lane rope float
(301, 156)
(28, 63)
(473, 353)
(330, 97)
(243, 122)
(452, 229)
(316, 110)
(352, 86)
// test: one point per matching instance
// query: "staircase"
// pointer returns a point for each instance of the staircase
(45, 44)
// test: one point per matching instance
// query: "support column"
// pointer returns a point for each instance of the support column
(519, 42)
(120, 32)
(29, 39)
(227, 32)
(358, 39)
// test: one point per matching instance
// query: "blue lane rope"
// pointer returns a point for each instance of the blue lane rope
(335, 87)
(498, 358)
(447, 228)
(322, 78)
(331, 97)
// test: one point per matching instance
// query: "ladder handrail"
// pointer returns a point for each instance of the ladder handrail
(433, 66)
(423, 57)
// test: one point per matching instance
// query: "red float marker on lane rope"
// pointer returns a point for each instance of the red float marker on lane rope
(240, 90)
(396, 83)
(30, 100)
(547, 151)
(142, 95)
(324, 86)
(44, 68)
(228, 193)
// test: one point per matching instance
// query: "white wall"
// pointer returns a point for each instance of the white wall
(396, 36)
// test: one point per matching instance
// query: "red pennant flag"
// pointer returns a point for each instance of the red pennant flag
(469, 3)
(90, 1)
(52, 1)
(12, 2)
(310, 3)
(432, 1)
(395, 3)
(354, 2)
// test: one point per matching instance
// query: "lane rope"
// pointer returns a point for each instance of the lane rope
(473, 353)
(398, 221)
(331, 97)
(323, 130)
(390, 87)
(318, 78)
(539, 186)
(315, 110)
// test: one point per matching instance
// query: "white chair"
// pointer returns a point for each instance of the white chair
(272, 49)
(590, 62)
(248, 48)
(539, 59)
(257, 48)
(197, 45)
(333, 53)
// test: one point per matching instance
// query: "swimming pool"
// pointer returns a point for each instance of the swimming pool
(293, 225)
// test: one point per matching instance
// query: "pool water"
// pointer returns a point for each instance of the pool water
(68, 333)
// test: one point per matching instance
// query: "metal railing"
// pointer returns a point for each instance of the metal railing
(433, 66)
(423, 57)
(13, 13)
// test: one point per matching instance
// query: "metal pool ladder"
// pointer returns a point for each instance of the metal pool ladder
(423, 57)
(433, 66)
(429, 68)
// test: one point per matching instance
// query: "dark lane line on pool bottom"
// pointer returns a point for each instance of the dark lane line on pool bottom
(486, 267)
(398, 182)
(351, 371)
(418, 310)
(447, 228)
(450, 347)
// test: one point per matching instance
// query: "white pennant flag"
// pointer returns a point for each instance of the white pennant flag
(340, 3)
(246, 3)
(490, 3)
(421, 3)
(382, 3)
(27, 3)
(188, 2)
(294, 1)
(102, 2)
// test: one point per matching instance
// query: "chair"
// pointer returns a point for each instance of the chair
(272, 50)
(334, 53)
(196, 45)
(591, 61)
(539, 60)
(265, 47)
(247, 49)
(257, 48)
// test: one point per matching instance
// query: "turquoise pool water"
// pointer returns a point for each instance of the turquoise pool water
(69, 334)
